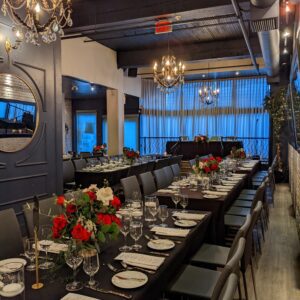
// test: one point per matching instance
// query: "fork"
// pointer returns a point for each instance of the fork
(126, 267)
(155, 237)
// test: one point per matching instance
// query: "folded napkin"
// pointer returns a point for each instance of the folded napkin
(55, 248)
(238, 175)
(223, 188)
(166, 191)
(170, 231)
(216, 193)
(245, 168)
(72, 296)
(233, 179)
(150, 262)
(188, 216)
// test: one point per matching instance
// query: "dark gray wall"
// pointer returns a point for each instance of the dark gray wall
(37, 169)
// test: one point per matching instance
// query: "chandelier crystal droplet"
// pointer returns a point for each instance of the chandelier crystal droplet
(39, 20)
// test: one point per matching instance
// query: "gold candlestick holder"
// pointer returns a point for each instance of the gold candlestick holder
(37, 285)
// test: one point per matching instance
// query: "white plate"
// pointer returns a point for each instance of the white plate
(211, 196)
(129, 279)
(185, 223)
(13, 260)
(161, 244)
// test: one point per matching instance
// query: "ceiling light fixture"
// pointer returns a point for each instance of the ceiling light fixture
(286, 34)
(237, 73)
(285, 51)
(92, 87)
(44, 19)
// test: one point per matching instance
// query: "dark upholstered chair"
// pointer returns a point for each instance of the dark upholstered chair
(79, 164)
(192, 162)
(10, 235)
(148, 183)
(48, 209)
(175, 170)
(160, 178)
(130, 185)
(200, 283)
(169, 174)
(68, 174)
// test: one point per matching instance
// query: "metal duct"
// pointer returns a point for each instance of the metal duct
(264, 21)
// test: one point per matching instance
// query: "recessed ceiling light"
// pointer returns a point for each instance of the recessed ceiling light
(237, 73)
(177, 18)
(286, 34)
(92, 87)
(285, 51)
(203, 75)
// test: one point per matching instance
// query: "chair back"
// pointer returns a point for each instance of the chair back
(259, 195)
(150, 166)
(148, 183)
(160, 178)
(136, 169)
(242, 232)
(231, 266)
(68, 171)
(160, 163)
(48, 209)
(169, 174)
(130, 185)
(175, 170)
(10, 235)
(192, 162)
(79, 164)
(230, 287)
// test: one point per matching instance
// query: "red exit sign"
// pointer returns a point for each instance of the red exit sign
(163, 26)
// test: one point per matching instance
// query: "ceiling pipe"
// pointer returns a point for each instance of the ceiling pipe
(264, 21)
(245, 34)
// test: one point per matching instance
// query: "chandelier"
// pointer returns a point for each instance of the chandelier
(208, 95)
(39, 19)
(170, 75)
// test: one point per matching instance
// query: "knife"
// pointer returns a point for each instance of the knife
(104, 291)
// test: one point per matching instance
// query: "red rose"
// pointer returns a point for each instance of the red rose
(116, 220)
(80, 233)
(71, 208)
(60, 200)
(214, 167)
(116, 203)
(104, 219)
(55, 233)
(206, 169)
(60, 222)
(92, 195)
(218, 159)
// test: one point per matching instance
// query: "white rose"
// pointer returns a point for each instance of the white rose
(105, 195)
(93, 187)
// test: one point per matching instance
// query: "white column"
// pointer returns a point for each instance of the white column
(115, 121)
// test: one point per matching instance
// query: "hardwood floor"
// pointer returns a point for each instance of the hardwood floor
(278, 273)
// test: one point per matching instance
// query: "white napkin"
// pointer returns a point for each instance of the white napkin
(72, 296)
(207, 192)
(228, 183)
(141, 260)
(238, 175)
(223, 188)
(170, 231)
(166, 191)
(188, 216)
(245, 168)
(233, 179)
(55, 248)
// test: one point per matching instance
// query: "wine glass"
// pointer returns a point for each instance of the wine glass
(45, 242)
(136, 231)
(176, 199)
(153, 209)
(163, 214)
(184, 202)
(135, 195)
(30, 253)
(91, 266)
(125, 225)
(137, 209)
(73, 260)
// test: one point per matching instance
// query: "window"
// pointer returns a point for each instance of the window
(86, 131)
(131, 132)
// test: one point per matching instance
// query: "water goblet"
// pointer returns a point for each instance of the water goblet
(184, 202)
(45, 241)
(30, 254)
(163, 214)
(91, 265)
(125, 226)
(176, 199)
(136, 231)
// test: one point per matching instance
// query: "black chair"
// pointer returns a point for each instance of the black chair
(175, 170)
(135, 170)
(148, 183)
(10, 235)
(160, 163)
(69, 175)
(79, 164)
(150, 166)
(160, 178)
(48, 209)
(169, 174)
(130, 185)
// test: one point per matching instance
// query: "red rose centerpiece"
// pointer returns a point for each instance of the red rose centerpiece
(89, 217)
(207, 165)
(101, 149)
(201, 138)
(130, 154)
(237, 153)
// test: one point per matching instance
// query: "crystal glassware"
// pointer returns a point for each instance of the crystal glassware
(125, 226)
(184, 202)
(30, 254)
(73, 259)
(176, 199)
(45, 241)
(91, 265)
(163, 214)
(136, 231)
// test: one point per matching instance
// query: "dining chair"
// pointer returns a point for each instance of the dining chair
(48, 208)
(160, 179)
(148, 183)
(130, 185)
(79, 164)
(202, 283)
(10, 235)
(176, 170)
(192, 162)
(150, 166)
(169, 174)
(230, 287)
(68, 175)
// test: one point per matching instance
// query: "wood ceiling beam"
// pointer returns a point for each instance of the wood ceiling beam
(189, 52)
(90, 13)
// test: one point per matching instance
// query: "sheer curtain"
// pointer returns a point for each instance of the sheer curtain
(238, 112)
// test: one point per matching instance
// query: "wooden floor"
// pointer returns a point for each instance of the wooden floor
(278, 273)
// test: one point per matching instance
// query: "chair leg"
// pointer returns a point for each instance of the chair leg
(240, 290)
(245, 285)
(262, 227)
(258, 239)
(253, 278)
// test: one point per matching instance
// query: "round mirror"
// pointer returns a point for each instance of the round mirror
(18, 113)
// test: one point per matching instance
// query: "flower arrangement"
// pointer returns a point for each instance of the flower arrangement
(207, 165)
(237, 153)
(101, 149)
(130, 154)
(201, 138)
(89, 217)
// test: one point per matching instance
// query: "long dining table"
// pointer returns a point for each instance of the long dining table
(184, 248)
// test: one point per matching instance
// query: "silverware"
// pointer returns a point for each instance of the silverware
(114, 269)
(126, 267)
(104, 291)
(170, 238)
(160, 253)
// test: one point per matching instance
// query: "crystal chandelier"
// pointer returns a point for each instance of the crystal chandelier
(39, 19)
(208, 95)
(171, 75)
